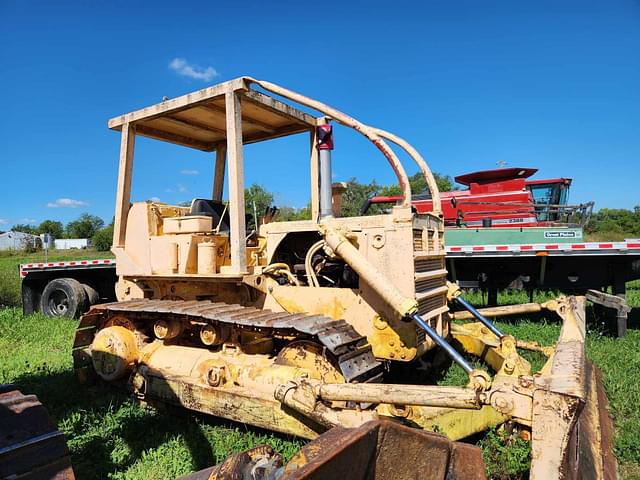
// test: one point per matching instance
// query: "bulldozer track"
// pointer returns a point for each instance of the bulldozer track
(352, 353)
(31, 446)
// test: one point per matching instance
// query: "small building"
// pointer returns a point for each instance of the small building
(72, 243)
(17, 240)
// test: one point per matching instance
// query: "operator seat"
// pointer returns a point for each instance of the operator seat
(213, 209)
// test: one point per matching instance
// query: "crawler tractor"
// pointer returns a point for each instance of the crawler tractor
(299, 326)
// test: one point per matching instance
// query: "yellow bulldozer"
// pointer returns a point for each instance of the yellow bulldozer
(300, 326)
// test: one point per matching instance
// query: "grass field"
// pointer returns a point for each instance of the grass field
(110, 436)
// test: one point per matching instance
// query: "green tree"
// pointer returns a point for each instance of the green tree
(355, 196)
(24, 228)
(103, 239)
(288, 214)
(51, 227)
(419, 185)
(617, 222)
(84, 227)
(262, 198)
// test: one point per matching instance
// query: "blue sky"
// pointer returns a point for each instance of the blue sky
(549, 84)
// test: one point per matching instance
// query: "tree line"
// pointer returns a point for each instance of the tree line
(353, 198)
(85, 226)
(614, 223)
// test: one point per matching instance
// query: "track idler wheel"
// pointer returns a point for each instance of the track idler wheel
(114, 351)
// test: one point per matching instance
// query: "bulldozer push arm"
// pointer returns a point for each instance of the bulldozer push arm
(564, 404)
(304, 325)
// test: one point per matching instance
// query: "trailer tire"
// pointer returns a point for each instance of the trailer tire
(93, 296)
(64, 297)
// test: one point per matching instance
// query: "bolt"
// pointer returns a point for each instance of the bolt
(509, 366)
(503, 404)
(524, 382)
(215, 376)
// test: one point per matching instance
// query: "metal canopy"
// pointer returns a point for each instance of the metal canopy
(198, 119)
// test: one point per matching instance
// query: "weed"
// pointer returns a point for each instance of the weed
(506, 456)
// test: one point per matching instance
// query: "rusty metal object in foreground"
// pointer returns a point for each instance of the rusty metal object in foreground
(377, 450)
(31, 447)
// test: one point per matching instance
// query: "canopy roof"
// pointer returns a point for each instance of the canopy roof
(198, 119)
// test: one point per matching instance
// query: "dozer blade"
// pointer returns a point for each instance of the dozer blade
(593, 440)
(377, 450)
(572, 432)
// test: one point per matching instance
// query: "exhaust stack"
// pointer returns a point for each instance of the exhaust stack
(325, 145)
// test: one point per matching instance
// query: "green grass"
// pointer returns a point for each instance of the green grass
(111, 436)
(10, 261)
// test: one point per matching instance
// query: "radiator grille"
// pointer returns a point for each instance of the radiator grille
(429, 264)
(428, 284)
(429, 267)
(418, 244)
(427, 305)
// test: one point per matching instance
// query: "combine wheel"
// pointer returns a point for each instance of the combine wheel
(113, 352)
(64, 297)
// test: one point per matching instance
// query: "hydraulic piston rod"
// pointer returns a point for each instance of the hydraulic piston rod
(325, 145)
(481, 318)
(442, 343)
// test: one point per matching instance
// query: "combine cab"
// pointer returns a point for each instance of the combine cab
(302, 326)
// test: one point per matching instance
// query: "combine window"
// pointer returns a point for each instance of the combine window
(546, 195)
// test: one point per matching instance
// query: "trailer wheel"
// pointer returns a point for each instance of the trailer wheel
(93, 296)
(64, 297)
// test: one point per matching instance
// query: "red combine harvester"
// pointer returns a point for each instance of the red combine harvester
(539, 244)
(503, 197)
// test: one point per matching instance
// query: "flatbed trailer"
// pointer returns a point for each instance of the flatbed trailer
(578, 268)
(67, 288)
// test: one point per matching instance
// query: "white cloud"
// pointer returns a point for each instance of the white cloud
(3, 221)
(182, 188)
(67, 203)
(184, 68)
(189, 172)
(28, 221)
(155, 199)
